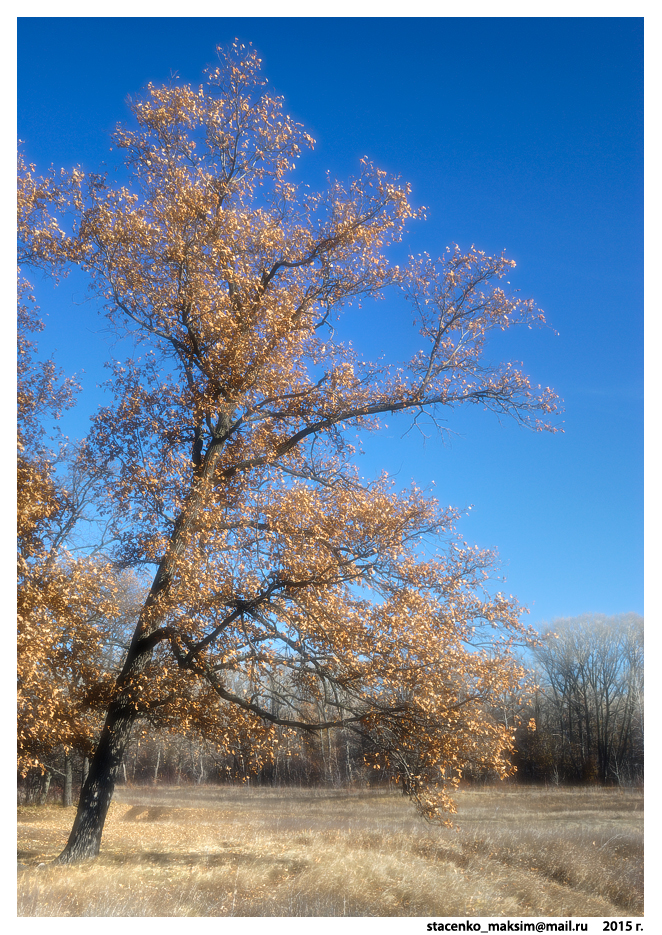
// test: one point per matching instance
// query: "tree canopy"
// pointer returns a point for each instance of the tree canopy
(287, 590)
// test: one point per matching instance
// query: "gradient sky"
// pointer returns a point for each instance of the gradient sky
(516, 133)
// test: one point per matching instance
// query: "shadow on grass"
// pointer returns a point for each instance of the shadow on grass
(178, 859)
(143, 813)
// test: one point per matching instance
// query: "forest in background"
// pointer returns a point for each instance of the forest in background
(587, 709)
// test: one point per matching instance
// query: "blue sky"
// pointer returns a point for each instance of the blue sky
(516, 133)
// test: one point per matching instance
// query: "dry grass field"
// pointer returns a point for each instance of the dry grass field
(213, 851)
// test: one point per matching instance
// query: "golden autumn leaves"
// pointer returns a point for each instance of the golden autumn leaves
(288, 591)
(66, 603)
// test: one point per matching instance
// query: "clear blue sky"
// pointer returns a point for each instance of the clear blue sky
(516, 133)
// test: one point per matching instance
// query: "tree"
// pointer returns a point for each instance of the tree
(592, 672)
(288, 592)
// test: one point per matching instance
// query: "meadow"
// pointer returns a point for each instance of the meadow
(235, 851)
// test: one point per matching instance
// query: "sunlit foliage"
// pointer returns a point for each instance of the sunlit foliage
(288, 591)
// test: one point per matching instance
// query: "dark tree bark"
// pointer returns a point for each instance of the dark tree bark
(85, 838)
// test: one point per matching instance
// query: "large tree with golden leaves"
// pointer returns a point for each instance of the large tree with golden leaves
(288, 591)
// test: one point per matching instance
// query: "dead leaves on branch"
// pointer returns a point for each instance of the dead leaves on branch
(289, 591)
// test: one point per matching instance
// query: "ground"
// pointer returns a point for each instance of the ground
(229, 851)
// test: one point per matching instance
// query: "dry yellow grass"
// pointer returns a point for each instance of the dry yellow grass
(263, 852)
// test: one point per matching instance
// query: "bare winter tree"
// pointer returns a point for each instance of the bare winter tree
(591, 669)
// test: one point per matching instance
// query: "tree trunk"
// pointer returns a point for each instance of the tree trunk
(350, 771)
(45, 786)
(85, 770)
(156, 768)
(85, 838)
(33, 787)
(67, 794)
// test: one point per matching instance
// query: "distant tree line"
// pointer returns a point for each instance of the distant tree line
(587, 708)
